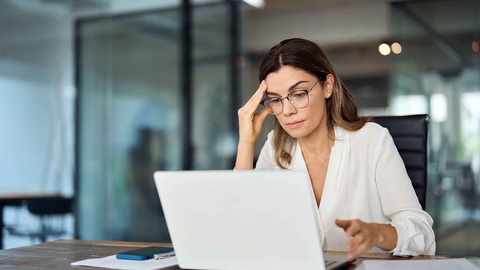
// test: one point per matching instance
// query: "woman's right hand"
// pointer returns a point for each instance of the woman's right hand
(250, 124)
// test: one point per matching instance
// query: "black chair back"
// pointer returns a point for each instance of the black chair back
(46, 208)
(50, 206)
(410, 135)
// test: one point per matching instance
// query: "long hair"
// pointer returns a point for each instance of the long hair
(342, 109)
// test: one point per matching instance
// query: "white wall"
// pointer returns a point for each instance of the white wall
(36, 100)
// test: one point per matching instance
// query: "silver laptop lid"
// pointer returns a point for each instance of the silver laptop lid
(241, 219)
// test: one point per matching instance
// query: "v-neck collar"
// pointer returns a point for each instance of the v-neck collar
(338, 154)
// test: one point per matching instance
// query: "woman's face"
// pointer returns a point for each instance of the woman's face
(300, 122)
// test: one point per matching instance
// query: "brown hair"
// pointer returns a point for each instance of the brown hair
(342, 109)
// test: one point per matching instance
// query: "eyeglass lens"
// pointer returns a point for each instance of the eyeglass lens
(299, 99)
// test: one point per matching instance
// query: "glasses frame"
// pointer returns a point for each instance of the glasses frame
(287, 97)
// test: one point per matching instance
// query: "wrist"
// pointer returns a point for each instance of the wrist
(245, 144)
(244, 156)
(386, 236)
(381, 235)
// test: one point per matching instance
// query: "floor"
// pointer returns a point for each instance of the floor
(20, 218)
(462, 242)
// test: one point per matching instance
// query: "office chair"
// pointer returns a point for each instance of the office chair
(50, 212)
(17, 205)
(410, 136)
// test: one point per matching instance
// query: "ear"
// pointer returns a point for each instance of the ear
(328, 86)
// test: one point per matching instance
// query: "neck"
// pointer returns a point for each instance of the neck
(319, 142)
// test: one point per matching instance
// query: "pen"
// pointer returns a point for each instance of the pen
(163, 255)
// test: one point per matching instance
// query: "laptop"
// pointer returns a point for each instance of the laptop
(243, 220)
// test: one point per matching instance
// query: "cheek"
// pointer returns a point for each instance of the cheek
(317, 111)
(317, 106)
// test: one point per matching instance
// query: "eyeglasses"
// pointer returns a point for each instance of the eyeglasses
(299, 99)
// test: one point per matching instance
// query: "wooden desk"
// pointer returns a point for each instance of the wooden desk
(14, 198)
(59, 254)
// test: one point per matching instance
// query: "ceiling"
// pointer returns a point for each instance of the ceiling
(339, 27)
(348, 30)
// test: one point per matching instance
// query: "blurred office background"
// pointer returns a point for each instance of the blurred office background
(95, 95)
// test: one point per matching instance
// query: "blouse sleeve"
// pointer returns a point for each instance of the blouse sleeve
(400, 203)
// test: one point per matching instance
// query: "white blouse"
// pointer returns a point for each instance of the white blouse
(366, 180)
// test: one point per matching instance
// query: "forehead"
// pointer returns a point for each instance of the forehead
(280, 81)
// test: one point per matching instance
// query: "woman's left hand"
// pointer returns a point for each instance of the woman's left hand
(365, 236)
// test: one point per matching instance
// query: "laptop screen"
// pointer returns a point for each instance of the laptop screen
(241, 219)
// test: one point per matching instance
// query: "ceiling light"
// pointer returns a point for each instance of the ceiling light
(475, 46)
(384, 49)
(255, 3)
(396, 48)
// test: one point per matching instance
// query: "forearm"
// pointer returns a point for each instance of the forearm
(250, 125)
(244, 156)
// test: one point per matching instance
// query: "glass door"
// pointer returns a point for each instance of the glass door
(213, 131)
(438, 72)
(132, 113)
(129, 123)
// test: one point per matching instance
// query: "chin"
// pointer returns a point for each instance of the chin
(296, 133)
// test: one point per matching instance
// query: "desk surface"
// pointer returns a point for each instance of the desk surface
(59, 254)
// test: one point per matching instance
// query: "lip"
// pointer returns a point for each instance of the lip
(295, 124)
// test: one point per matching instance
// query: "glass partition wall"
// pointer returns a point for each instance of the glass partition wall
(438, 72)
(132, 114)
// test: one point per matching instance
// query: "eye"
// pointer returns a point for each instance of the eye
(298, 94)
(274, 101)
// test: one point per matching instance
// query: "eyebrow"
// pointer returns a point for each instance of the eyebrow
(289, 89)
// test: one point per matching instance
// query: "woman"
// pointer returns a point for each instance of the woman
(366, 200)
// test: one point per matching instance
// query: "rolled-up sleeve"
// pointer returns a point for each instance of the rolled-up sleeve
(415, 235)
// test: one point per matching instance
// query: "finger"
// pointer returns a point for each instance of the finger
(259, 94)
(264, 113)
(355, 242)
(262, 87)
(344, 224)
(351, 256)
(252, 104)
(351, 253)
(353, 249)
(260, 118)
(353, 229)
(359, 250)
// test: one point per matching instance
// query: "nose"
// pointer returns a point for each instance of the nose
(288, 107)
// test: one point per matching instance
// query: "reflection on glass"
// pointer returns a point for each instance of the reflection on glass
(409, 104)
(439, 64)
(470, 133)
(130, 124)
(438, 107)
(212, 129)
